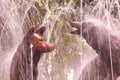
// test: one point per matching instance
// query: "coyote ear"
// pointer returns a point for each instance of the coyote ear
(41, 30)
(75, 24)
(31, 31)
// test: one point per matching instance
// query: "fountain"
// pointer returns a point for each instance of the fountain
(73, 58)
(10, 29)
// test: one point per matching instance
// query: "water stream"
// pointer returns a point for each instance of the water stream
(31, 46)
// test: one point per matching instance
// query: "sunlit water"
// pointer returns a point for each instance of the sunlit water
(31, 46)
(53, 66)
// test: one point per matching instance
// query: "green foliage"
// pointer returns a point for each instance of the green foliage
(57, 69)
